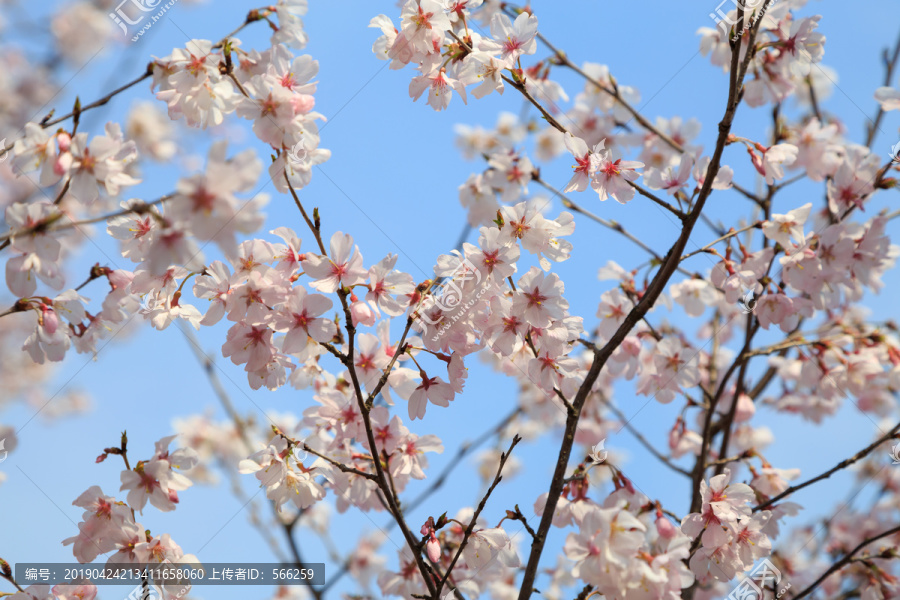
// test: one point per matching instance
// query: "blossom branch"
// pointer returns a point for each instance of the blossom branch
(497, 479)
(520, 87)
(392, 502)
(746, 193)
(847, 558)
(752, 328)
(464, 449)
(612, 225)
(46, 225)
(667, 269)
(681, 216)
(102, 101)
(841, 465)
(643, 440)
(241, 427)
(563, 60)
(733, 232)
(253, 15)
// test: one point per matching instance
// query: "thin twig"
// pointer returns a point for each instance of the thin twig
(47, 225)
(841, 465)
(728, 235)
(644, 441)
(839, 564)
(614, 92)
(497, 479)
(681, 216)
(890, 63)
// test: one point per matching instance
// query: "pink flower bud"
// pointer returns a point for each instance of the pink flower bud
(362, 313)
(433, 549)
(745, 408)
(49, 319)
(302, 103)
(62, 164)
(428, 527)
(665, 528)
(63, 140)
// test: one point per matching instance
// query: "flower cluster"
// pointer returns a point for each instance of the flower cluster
(448, 55)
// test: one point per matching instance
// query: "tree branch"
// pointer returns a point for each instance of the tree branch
(497, 478)
(839, 564)
(841, 465)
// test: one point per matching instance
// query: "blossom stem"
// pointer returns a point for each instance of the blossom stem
(890, 63)
(681, 216)
(468, 533)
(847, 558)
(45, 226)
(841, 465)
(667, 269)
(728, 235)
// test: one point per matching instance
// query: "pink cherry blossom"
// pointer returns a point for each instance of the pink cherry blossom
(343, 268)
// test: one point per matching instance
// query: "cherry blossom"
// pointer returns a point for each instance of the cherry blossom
(610, 178)
(512, 39)
(343, 268)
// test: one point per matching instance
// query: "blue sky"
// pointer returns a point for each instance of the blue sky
(392, 182)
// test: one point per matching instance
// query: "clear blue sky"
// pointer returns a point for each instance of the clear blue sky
(392, 182)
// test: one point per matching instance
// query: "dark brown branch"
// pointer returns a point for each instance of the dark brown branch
(656, 287)
(102, 101)
(659, 201)
(381, 479)
(468, 533)
(839, 564)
